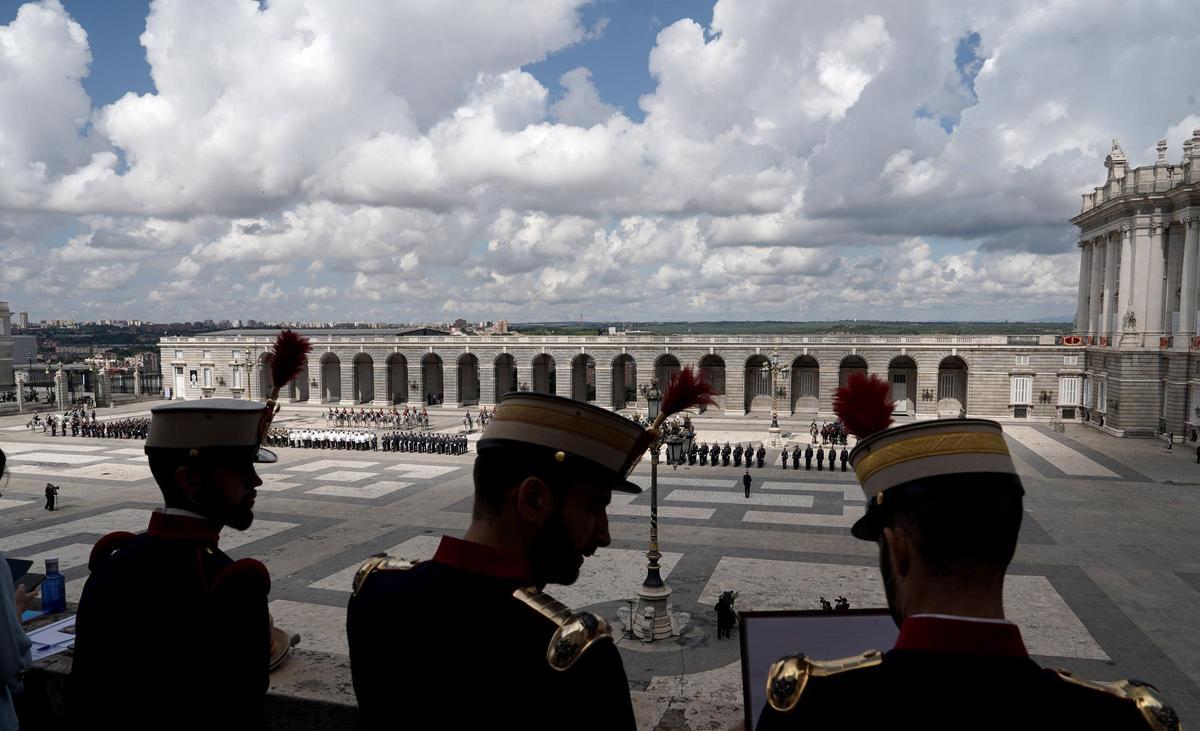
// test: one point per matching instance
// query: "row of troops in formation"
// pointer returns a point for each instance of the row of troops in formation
(363, 441)
(943, 507)
(705, 454)
(378, 418)
(81, 424)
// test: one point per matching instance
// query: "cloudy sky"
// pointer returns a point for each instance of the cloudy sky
(551, 159)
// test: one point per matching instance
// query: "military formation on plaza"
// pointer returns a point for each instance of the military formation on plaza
(545, 472)
(365, 441)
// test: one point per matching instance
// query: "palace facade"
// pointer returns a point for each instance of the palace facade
(1035, 377)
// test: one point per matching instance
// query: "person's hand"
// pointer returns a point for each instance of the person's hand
(23, 599)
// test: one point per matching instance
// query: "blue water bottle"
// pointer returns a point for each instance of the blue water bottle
(54, 589)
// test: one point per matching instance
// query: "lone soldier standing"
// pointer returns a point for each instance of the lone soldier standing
(746, 479)
(783, 456)
(51, 494)
(944, 506)
(541, 492)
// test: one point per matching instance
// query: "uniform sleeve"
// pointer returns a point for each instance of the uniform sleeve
(602, 675)
(242, 627)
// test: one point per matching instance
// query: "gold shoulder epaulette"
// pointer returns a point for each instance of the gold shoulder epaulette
(1158, 716)
(577, 631)
(379, 562)
(789, 676)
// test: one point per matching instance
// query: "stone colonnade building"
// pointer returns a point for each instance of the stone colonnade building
(6, 347)
(1137, 318)
(1033, 377)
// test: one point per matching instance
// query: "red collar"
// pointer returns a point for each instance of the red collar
(481, 559)
(181, 527)
(961, 636)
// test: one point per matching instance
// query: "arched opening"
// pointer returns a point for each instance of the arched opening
(806, 381)
(952, 386)
(850, 365)
(265, 382)
(544, 380)
(902, 374)
(298, 386)
(757, 390)
(364, 379)
(665, 366)
(505, 373)
(583, 378)
(397, 378)
(468, 379)
(624, 381)
(431, 380)
(331, 378)
(712, 367)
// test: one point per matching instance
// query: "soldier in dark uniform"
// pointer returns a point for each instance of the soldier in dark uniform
(171, 632)
(845, 458)
(761, 456)
(820, 458)
(808, 457)
(783, 456)
(713, 453)
(737, 455)
(704, 454)
(796, 457)
(540, 500)
(946, 524)
(746, 480)
(692, 454)
(725, 455)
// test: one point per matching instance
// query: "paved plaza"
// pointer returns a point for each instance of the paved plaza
(1106, 580)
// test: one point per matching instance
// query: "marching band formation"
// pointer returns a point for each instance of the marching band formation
(408, 418)
(83, 423)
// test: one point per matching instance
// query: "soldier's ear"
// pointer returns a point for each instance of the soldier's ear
(533, 500)
(899, 551)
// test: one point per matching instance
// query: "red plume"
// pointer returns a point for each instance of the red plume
(864, 404)
(288, 357)
(685, 390)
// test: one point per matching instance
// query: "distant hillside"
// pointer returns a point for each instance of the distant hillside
(781, 327)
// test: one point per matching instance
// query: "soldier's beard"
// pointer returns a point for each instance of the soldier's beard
(889, 581)
(215, 507)
(553, 557)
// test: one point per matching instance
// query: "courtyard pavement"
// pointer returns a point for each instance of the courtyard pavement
(1106, 579)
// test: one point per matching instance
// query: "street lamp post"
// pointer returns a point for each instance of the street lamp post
(654, 591)
(772, 367)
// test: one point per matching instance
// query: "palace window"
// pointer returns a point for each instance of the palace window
(1070, 360)
(236, 379)
(1102, 395)
(1022, 388)
(1022, 360)
(1068, 391)
(1087, 392)
(946, 383)
(208, 355)
(208, 378)
(178, 355)
(808, 386)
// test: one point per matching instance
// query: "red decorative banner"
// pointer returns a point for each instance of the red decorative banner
(1164, 341)
(1072, 340)
(1103, 341)
(1195, 342)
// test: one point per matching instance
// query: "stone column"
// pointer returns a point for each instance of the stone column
(450, 383)
(346, 372)
(1128, 316)
(1156, 243)
(62, 393)
(1095, 281)
(487, 382)
(1187, 291)
(524, 365)
(1085, 275)
(20, 380)
(379, 374)
(137, 383)
(735, 386)
(564, 373)
(604, 382)
(1111, 252)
